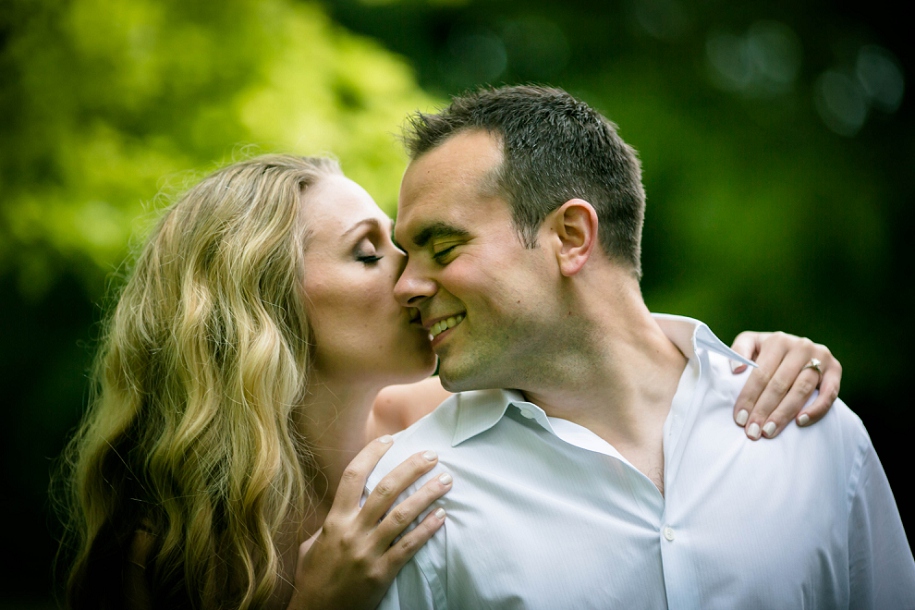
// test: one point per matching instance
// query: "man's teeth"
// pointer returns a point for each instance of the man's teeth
(443, 325)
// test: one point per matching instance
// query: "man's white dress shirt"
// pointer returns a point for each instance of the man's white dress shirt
(546, 514)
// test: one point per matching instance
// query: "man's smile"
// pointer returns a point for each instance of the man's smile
(444, 324)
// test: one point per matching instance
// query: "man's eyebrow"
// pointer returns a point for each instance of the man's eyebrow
(435, 231)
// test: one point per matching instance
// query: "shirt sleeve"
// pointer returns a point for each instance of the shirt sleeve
(881, 567)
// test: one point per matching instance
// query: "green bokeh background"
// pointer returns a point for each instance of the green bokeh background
(776, 138)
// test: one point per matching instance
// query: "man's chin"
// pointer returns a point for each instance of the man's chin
(464, 381)
(452, 380)
(448, 382)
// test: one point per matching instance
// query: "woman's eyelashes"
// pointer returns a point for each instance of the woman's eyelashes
(370, 247)
(367, 252)
(368, 259)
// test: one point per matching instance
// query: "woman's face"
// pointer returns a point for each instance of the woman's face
(361, 334)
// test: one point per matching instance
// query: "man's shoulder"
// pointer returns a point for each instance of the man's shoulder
(435, 427)
(841, 427)
(724, 380)
(437, 430)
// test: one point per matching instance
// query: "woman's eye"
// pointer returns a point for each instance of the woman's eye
(368, 258)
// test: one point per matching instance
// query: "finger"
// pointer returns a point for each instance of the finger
(778, 386)
(402, 515)
(767, 362)
(393, 484)
(791, 404)
(829, 391)
(352, 481)
(768, 384)
(403, 550)
(747, 345)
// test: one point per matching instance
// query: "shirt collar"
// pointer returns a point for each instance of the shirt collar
(480, 410)
(689, 335)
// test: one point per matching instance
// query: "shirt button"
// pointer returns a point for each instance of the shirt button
(527, 413)
(669, 533)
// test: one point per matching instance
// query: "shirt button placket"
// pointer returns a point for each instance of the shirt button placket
(672, 564)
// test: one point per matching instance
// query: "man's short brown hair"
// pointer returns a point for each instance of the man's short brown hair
(554, 148)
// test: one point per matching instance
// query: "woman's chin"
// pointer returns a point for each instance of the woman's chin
(413, 363)
(423, 369)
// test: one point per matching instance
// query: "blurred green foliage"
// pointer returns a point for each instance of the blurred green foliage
(114, 102)
(777, 142)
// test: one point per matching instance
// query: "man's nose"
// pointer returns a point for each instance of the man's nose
(412, 288)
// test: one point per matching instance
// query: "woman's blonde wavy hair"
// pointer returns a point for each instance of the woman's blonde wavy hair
(189, 429)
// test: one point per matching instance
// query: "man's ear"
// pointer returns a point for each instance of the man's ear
(575, 227)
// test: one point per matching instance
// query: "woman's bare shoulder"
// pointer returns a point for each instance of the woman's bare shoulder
(398, 406)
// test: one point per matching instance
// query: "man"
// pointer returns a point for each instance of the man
(611, 476)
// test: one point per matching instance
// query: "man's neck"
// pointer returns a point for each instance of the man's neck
(625, 392)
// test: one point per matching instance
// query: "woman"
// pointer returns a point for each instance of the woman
(255, 349)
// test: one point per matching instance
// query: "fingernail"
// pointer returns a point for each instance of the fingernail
(430, 455)
(742, 417)
(734, 365)
(445, 479)
(753, 431)
(803, 419)
(386, 439)
(769, 429)
(440, 513)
